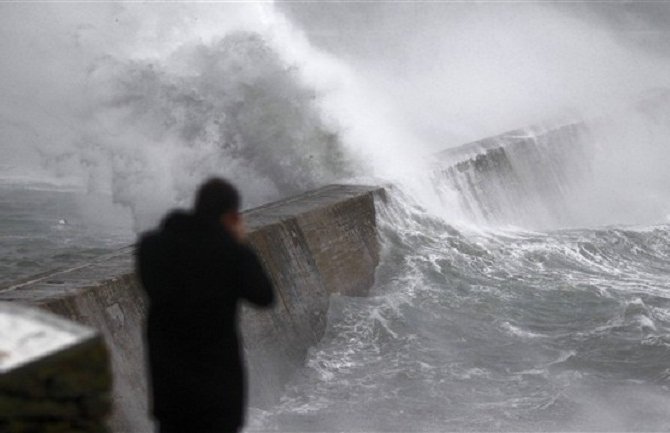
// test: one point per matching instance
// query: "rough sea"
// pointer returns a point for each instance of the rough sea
(563, 330)
(45, 227)
(494, 327)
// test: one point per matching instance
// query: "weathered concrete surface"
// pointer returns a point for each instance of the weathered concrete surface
(54, 374)
(314, 244)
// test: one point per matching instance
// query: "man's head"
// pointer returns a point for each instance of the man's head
(218, 200)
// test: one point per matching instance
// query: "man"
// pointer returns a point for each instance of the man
(194, 269)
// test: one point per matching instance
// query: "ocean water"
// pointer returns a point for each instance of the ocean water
(562, 330)
(532, 318)
(44, 227)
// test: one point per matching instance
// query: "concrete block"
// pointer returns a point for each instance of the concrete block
(54, 374)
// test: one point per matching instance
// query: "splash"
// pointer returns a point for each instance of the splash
(187, 99)
(140, 102)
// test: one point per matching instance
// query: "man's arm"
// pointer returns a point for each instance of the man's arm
(150, 266)
(254, 285)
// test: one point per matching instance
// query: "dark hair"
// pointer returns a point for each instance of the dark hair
(216, 197)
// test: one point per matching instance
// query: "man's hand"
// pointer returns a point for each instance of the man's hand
(239, 230)
(234, 224)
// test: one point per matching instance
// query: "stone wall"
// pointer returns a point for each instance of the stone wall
(312, 245)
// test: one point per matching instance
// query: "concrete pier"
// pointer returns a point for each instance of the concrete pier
(313, 245)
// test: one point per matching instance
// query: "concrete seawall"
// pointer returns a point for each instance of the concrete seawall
(313, 245)
(523, 177)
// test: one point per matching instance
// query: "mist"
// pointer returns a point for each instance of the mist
(457, 72)
(140, 102)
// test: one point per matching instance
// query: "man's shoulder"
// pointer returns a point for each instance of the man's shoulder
(183, 235)
(149, 244)
(161, 234)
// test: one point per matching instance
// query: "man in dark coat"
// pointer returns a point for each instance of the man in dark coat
(194, 269)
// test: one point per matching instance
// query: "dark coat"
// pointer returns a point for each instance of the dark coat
(194, 273)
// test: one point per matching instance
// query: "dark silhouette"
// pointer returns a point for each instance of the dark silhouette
(194, 269)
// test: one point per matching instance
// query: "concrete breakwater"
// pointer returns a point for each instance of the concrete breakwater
(522, 177)
(313, 245)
